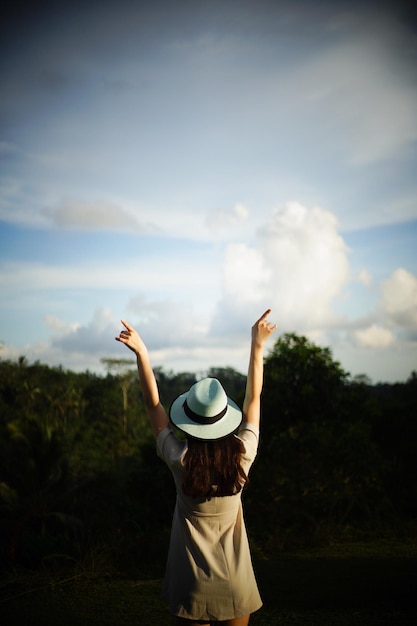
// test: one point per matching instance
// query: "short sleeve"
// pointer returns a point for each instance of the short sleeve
(169, 448)
(249, 435)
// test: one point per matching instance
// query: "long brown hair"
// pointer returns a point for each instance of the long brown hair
(212, 468)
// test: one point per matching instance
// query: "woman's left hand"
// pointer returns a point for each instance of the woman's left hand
(131, 339)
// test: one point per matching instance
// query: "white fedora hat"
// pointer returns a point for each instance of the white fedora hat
(205, 411)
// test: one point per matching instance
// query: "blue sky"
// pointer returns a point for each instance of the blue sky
(187, 165)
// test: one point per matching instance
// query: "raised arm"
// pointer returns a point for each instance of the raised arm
(261, 330)
(156, 412)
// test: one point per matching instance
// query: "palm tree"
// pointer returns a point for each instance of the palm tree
(34, 478)
(125, 376)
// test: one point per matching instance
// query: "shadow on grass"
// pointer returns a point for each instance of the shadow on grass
(313, 591)
(336, 591)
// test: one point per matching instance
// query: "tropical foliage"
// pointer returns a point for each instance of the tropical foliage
(80, 480)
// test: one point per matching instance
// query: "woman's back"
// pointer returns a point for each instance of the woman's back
(173, 452)
(209, 571)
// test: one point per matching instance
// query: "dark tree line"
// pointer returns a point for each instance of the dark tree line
(337, 457)
(80, 480)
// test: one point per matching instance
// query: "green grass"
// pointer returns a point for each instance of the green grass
(353, 585)
(338, 591)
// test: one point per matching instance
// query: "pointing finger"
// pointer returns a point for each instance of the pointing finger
(126, 325)
(267, 312)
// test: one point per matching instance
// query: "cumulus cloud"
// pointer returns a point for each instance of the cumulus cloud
(374, 337)
(365, 277)
(246, 277)
(399, 299)
(56, 324)
(395, 317)
(178, 336)
(167, 322)
(90, 339)
(222, 220)
(74, 346)
(298, 266)
(174, 333)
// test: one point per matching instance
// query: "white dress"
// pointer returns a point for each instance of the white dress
(209, 573)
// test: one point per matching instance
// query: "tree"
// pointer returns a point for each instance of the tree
(318, 469)
(34, 484)
(233, 381)
(123, 372)
(302, 383)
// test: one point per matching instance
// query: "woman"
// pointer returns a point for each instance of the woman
(209, 577)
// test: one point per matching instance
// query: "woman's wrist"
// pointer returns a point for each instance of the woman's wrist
(258, 345)
(141, 352)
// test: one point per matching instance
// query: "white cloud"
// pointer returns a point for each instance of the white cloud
(399, 299)
(92, 216)
(365, 277)
(315, 102)
(245, 277)
(150, 273)
(168, 322)
(223, 220)
(39, 276)
(56, 324)
(308, 262)
(174, 333)
(298, 267)
(74, 346)
(374, 337)
(394, 323)
(89, 339)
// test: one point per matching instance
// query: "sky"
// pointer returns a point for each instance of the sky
(187, 165)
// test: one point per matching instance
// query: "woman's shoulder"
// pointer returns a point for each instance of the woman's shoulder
(248, 431)
(169, 448)
(249, 435)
